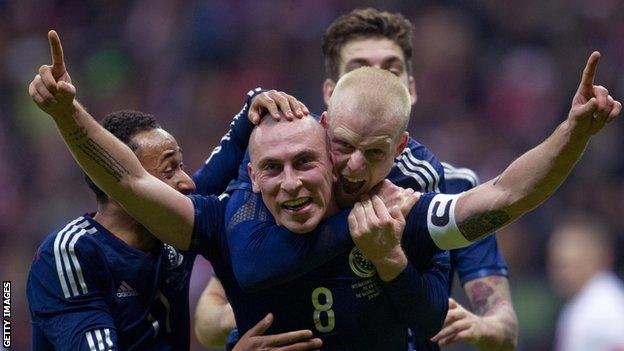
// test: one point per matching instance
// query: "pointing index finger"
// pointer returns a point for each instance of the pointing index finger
(56, 49)
(589, 73)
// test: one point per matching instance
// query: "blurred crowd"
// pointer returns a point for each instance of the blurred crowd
(493, 79)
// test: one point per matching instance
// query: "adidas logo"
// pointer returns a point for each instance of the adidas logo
(126, 290)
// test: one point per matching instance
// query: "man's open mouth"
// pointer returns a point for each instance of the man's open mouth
(351, 185)
(297, 204)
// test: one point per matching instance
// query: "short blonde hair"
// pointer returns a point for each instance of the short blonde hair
(373, 93)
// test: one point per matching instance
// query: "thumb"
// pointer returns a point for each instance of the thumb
(590, 107)
(397, 215)
(254, 117)
(452, 303)
(261, 326)
(395, 212)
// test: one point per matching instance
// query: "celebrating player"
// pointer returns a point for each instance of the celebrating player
(368, 37)
(449, 220)
(104, 282)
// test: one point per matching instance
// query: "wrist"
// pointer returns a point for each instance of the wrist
(574, 131)
(491, 336)
(66, 115)
(391, 265)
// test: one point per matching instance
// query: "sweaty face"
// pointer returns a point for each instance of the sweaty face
(161, 156)
(364, 150)
(291, 167)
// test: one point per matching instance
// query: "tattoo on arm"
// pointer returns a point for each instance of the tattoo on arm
(496, 180)
(477, 226)
(490, 296)
(98, 154)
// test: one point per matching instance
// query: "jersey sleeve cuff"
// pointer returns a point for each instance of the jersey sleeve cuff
(482, 273)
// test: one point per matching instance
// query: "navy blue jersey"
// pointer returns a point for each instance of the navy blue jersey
(343, 300)
(88, 290)
(416, 168)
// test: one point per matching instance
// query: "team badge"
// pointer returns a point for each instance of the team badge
(173, 258)
(360, 265)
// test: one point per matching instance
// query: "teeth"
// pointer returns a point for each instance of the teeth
(296, 202)
(351, 179)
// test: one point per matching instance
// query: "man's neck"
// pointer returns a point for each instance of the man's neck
(332, 208)
(117, 221)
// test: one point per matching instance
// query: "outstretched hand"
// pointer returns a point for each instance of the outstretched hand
(298, 340)
(51, 89)
(592, 106)
(278, 104)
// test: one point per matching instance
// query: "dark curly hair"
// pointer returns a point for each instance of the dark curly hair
(366, 23)
(124, 125)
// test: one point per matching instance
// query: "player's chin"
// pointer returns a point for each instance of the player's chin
(301, 225)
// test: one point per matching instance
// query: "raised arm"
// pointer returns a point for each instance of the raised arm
(458, 220)
(535, 176)
(110, 163)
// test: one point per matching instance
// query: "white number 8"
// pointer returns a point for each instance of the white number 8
(323, 307)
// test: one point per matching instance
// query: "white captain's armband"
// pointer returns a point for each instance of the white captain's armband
(441, 222)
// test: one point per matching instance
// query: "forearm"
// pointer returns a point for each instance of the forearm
(214, 323)
(223, 163)
(526, 183)
(108, 162)
(490, 299)
(117, 171)
(536, 175)
(214, 318)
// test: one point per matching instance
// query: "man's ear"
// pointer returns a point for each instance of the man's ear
(411, 87)
(402, 144)
(332, 160)
(328, 90)
(254, 184)
(324, 121)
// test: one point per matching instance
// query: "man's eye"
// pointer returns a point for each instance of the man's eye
(377, 153)
(269, 167)
(304, 161)
(344, 145)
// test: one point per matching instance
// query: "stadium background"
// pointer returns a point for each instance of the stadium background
(494, 78)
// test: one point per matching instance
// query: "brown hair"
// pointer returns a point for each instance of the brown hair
(366, 23)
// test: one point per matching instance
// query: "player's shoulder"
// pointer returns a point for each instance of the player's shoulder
(460, 175)
(419, 151)
(417, 167)
(64, 261)
(76, 236)
(212, 203)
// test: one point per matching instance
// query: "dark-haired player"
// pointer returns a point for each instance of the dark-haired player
(103, 281)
